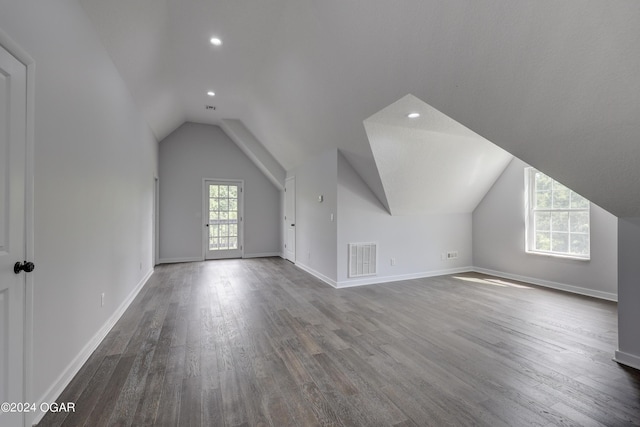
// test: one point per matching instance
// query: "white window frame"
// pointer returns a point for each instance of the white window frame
(530, 230)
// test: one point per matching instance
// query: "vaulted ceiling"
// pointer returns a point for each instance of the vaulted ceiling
(556, 84)
(429, 163)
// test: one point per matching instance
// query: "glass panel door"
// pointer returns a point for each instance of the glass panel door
(223, 200)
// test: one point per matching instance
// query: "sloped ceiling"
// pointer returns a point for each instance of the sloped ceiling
(431, 164)
(556, 84)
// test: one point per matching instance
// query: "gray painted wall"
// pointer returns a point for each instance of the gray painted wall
(95, 161)
(628, 291)
(187, 156)
(315, 232)
(499, 245)
(415, 241)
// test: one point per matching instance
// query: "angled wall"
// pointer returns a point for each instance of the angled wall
(499, 243)
(194, 152)
(628, 292)
(244, 139)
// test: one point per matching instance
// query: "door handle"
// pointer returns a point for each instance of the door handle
(27, 267)
(293, 225)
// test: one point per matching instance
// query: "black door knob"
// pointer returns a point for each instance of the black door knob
(27, 267)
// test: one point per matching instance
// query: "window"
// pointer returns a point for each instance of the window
(557, 220)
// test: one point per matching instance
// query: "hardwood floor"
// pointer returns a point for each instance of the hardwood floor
(259, 342)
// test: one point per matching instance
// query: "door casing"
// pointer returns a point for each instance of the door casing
(205, 213)
(8, 44)
(290, 219)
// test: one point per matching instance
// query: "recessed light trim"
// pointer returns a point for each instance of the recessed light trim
(211, 93)
(413, 115)
(215, 41)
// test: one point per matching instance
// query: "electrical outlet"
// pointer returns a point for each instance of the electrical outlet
(393, 261)
(449, 255)
(102, 299)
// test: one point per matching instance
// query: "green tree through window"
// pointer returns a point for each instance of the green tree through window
(557, 218)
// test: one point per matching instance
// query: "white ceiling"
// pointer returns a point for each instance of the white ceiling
(557, 84)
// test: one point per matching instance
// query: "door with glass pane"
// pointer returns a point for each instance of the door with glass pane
(223, 216)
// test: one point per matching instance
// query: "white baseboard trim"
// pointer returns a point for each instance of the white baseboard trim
(627, 359)
(262, 255)
(81, 358)
(349, 283)
(317, 275)
(549, 284)
(176, 260)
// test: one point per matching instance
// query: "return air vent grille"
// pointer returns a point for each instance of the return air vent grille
(363, 259)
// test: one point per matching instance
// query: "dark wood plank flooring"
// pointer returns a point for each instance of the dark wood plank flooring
(260, 343)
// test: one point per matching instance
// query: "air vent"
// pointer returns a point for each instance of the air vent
(363, 259)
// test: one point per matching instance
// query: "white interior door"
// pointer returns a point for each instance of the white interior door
(223, 219)
(13, 98)
(290, 219)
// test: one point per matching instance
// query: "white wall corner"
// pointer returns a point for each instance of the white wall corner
(64, 379)
(317, 275)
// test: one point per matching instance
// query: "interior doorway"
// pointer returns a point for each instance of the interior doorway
(13, 232)
(290, 219)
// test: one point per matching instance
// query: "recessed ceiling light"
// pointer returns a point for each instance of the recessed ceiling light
(413, 115)
(211, 93)
(216, 41)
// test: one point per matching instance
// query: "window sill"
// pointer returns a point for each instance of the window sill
(561, 256)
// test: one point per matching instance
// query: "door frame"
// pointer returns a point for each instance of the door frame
(22, 56)
(205, 213)
(156, 221)
(286, 221)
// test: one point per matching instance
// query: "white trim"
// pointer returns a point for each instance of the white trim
(627, 359)
(549, 284)
(81, 358)
(379, 280)
(263, 255)
(198, 259)
(317, 275)
(389, 279)
(176, 260)
(557, 255)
